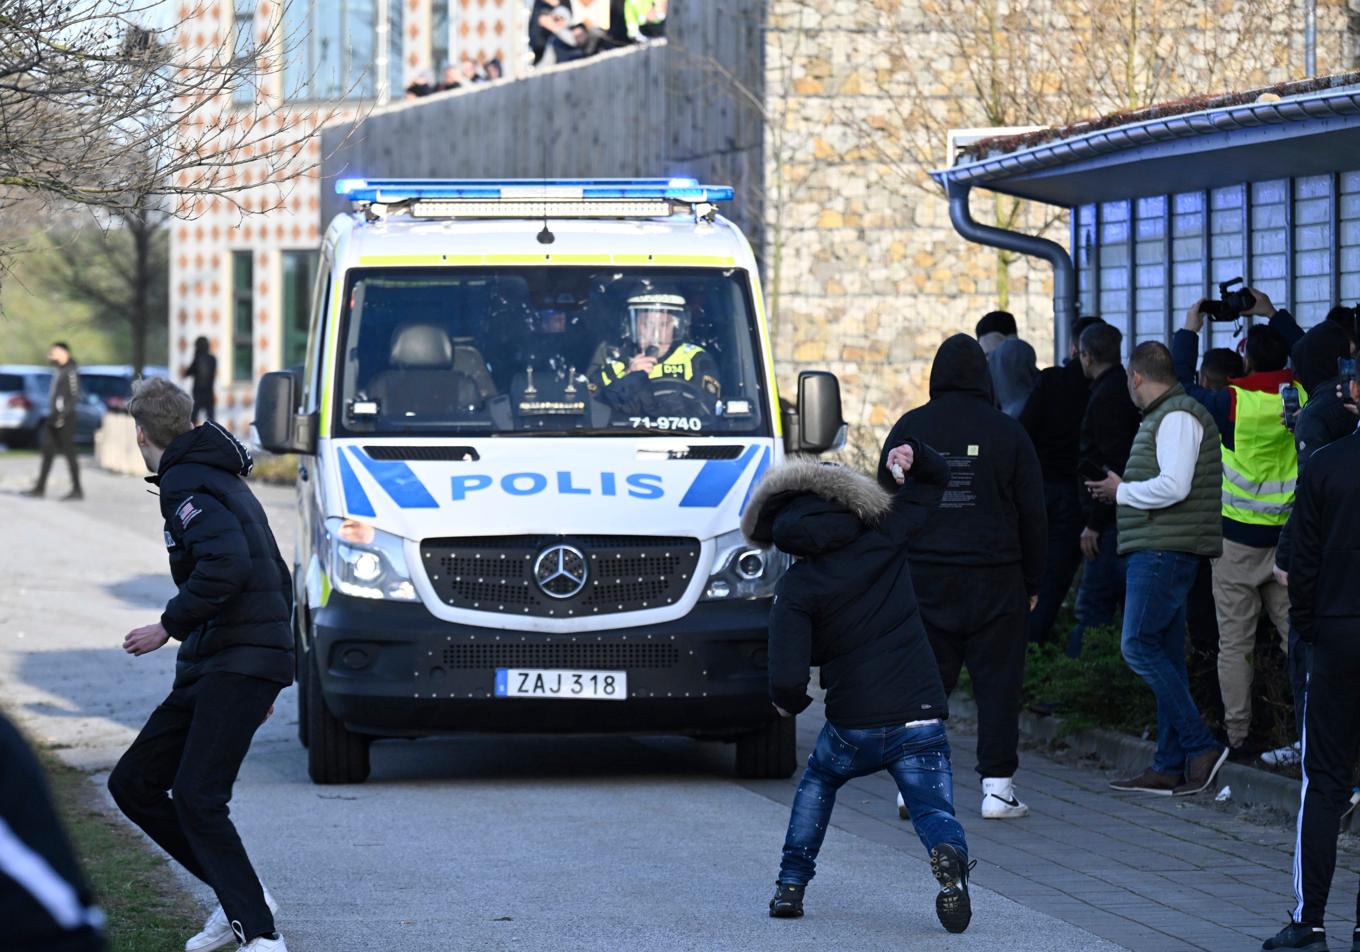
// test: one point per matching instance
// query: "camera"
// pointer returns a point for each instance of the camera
(1232, 305)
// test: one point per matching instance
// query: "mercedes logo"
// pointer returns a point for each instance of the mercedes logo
(560, 571)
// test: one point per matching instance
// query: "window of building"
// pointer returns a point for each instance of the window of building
(299, 268)
(439, 35)
(332, 47)
(243, 52)
(242, 315)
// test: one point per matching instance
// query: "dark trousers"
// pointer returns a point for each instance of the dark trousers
(59, 440)
(1102, 589)
(192, 746)
(1331, 742)
(916, 757)
(1064, 555)
(1298, 663)
(1201, 627)
(976, 618)
(204, 403)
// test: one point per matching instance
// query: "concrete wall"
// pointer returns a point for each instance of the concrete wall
(659, 109)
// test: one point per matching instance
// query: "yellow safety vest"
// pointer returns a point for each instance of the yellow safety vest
(1261, 471)
(678, 363)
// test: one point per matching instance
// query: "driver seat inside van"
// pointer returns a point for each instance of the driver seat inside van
(421, 379)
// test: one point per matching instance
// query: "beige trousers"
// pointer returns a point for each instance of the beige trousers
(1242, 583)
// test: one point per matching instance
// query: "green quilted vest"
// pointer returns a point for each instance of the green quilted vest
(1194, 524)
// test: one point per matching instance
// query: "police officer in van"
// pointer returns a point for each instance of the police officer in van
(638, 376)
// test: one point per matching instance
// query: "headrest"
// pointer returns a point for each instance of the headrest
(421, 345)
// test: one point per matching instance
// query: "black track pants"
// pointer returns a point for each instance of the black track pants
(193, 745)
(978, 618)
(59, 440)
(1331, 741)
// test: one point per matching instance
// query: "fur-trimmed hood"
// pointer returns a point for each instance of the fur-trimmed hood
(806, 507)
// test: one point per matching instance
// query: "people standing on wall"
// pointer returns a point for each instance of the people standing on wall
(1168, 513)
(202, 370)
(1260, 469)
(1220, 364)
(1325, 612)
(977, 562)
(58, 433)
(543, 19)
(1052, 417)
(1107, 431)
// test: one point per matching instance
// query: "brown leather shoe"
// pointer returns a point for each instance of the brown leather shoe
(1200, 771)
(1149, 781)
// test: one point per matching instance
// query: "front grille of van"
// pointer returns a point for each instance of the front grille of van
(592, 656)
(621, 573)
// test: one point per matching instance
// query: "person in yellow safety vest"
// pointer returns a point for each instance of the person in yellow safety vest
(1260, 469)
(632, 376)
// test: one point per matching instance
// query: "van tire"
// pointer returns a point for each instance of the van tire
(770, 753)
(303, 691)
(335, 754)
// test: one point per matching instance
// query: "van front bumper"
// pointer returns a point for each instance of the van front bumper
(394, 670)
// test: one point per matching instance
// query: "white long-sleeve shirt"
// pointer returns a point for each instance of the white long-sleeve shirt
(1178, 439)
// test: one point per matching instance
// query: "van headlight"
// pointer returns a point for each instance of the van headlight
(742, 570)
(366, 562)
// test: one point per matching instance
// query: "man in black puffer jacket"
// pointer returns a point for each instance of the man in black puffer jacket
(977, 562)
(848, 606)
(232, 617)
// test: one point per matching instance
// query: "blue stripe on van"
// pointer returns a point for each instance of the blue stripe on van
(398, 481)
(357, 502)
(716, 480)
(760, 471)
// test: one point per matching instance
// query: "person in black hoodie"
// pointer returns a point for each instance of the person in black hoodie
(977, 562)
(233, 618)
(1052, 418)
(848, 606)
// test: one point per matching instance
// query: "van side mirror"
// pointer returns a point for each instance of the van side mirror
(280, 428)
(817, 425)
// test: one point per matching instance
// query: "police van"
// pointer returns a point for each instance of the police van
(530, 417)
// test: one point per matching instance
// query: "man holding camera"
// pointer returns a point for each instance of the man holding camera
(1260, 469)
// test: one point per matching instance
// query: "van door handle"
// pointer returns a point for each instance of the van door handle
(302, 471)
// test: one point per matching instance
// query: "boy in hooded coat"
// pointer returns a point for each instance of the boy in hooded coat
(848, 606)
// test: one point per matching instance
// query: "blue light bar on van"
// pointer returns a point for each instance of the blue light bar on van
(390, 191)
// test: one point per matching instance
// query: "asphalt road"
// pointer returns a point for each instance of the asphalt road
(455, 844)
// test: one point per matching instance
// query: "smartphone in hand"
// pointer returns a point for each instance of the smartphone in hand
(1091, 472)
(1290, 395)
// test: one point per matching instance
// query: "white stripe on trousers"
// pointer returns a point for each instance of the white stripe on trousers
(1303, 796)
(31, 871)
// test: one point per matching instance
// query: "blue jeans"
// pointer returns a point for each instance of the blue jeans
(1153, 644)
(1101, 590)
(917, 758)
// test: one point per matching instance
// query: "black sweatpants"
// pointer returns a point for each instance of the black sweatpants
(1331, 741)
(1065, 523)
(977, 618)
(59, 440)
(192, 746)
(1201, 625)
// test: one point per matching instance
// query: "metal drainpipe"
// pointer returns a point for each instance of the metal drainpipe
(1064, 275)
(1310, 38)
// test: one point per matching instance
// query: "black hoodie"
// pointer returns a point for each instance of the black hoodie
(234, 608)
(848, 604)
(993, 511)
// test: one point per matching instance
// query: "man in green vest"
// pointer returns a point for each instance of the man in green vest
(1260, 469)
(1168, 517)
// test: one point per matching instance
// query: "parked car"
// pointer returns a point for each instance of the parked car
(24, 391)
(112, 383)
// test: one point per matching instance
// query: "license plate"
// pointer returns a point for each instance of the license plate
(562, 685)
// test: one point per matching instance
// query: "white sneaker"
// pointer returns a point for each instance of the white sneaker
(217, 932)
(999, 801)
(265, 945)
(1286, 756)
(902, 812)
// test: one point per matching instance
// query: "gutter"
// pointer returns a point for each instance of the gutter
(1064, 275)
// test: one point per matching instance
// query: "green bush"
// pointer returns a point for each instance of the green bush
(276, 469)
(1095, 690)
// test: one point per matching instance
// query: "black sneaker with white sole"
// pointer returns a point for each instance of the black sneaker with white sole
(1298, 936)
(788, 901)
(950, 868)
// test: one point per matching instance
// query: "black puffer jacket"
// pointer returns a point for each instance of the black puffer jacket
(993, 512)
(234, 608)
(848, 604)
(1108, 427)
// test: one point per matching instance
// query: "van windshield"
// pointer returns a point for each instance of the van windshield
(550, 350)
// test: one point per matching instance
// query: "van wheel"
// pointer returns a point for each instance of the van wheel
(335, 754)
(302, 688)
(770, 753)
